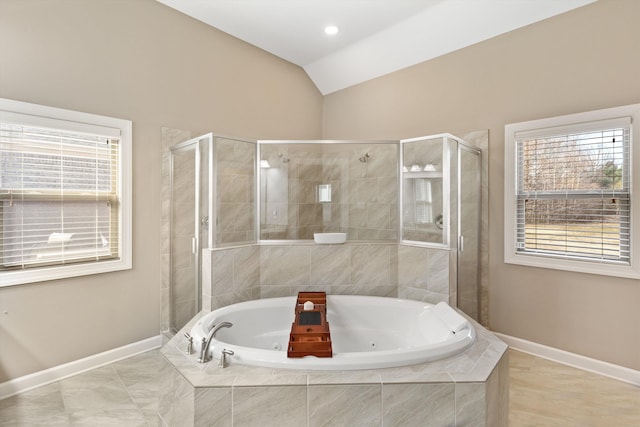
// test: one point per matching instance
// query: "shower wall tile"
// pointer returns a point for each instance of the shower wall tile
(393, 265)
(383, 160)
(352, 269)
(388, 189)
(378, 216)
(330, 265)
(235, 275)
(285, 265)
(366, 190)
(270, 406)
(246, 268)
(416, 294)
(418, 404)
(345, 405)
(370, 265)
(438, 266)
(222, 271)
(310, 169)
(350, 290)
(413, 266)
(390, 291)
(273, 291)
(235, 162)
(424, 274)
(309, 214)
(357, 216)
(352, 181)
(206, 280)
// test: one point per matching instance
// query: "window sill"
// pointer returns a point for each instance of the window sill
(23, 277)
(589, 267)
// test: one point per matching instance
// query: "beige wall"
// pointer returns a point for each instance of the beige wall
(579, 61)
(138, 60)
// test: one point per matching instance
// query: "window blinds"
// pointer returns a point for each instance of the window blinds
(59, 193)
(573, 191)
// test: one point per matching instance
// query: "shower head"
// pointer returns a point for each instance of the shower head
(365, 158)
(284, 159)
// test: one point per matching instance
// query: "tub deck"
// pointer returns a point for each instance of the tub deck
(470, 388)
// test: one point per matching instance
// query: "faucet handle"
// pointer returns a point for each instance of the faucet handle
(189, 342)
(223, 357)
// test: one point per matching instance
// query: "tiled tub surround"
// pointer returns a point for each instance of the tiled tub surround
(427, 274)
(242, 273)
(469, 389)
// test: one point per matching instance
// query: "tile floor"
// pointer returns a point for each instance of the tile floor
(542, 393)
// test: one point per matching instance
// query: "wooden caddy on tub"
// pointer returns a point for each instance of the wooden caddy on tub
(310, 335)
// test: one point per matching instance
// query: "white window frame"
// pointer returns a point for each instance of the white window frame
(74, 120)
(511, 255)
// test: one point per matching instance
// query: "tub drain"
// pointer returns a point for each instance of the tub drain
(276, 346)
(372, 345)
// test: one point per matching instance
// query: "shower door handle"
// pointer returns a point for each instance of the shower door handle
(461, 243)
(194, 245)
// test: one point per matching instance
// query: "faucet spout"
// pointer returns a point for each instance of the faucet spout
(204, 350)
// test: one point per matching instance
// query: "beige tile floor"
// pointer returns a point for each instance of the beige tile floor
(545, 393)
(542, 393)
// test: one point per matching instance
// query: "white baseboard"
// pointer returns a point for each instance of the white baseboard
(606, 369)
(57, 373)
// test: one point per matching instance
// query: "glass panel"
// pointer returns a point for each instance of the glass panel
(314, 187)
(422, 187)
(184, 264)
(469, 247)
(235, 190)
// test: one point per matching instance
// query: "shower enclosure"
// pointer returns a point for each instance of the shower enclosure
(441, 206)
(209, 206)
(233, 193)
(188, 221)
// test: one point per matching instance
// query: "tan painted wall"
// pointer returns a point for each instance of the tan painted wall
(138, 60)
(579, 61)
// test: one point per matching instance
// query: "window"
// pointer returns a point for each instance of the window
(65, 207)
(568, 192)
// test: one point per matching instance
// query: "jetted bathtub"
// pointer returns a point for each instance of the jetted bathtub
(366, 333)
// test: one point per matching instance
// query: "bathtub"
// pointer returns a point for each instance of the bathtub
(366, 333)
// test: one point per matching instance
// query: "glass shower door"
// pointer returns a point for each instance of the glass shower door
(185, 240)
(469, 203)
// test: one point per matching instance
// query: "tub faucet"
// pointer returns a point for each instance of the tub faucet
(223, 357)
(206, 342)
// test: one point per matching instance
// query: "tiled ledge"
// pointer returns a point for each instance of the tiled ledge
(472, 385)
(305, 243)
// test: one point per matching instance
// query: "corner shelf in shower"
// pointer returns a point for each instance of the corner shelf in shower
(310, 334)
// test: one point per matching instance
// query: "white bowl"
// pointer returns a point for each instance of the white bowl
(329, 238)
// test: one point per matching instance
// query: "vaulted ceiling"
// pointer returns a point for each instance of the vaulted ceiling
(375, 37)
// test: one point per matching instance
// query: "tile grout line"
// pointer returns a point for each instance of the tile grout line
(64, 402)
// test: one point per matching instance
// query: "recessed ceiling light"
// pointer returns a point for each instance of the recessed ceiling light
(331, 30)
